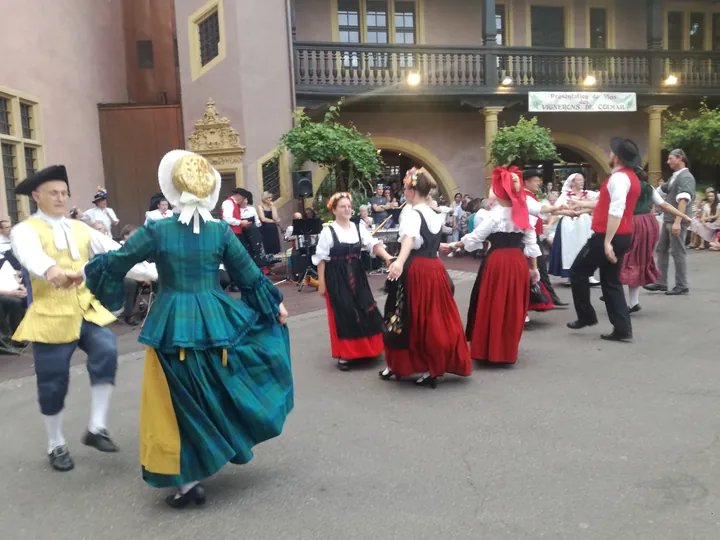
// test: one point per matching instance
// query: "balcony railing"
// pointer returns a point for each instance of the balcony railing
(335, 68)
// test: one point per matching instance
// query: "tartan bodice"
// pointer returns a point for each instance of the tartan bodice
(191, 310)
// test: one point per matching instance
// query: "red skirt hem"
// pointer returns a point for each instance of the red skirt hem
(543, 307)
(352, 349)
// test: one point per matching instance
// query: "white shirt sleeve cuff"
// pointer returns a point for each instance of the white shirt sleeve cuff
(683, 196)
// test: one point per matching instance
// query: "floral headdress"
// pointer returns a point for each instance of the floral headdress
(336, 196)
(411, 178)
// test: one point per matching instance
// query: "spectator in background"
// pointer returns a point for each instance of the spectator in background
(131, 286)
(365, 219)
(5, 227)
(379, 205)
(161, 212)
(102, 213)
(705, 227)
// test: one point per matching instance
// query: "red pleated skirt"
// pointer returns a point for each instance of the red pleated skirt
(638, 264)
(502, 304)
(352, 349)
(437, 341)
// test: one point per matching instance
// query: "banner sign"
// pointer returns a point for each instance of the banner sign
(582, 102)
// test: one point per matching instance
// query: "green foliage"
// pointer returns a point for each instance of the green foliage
(522, 143)
(699, 136)
(360, 191)
(351, 155)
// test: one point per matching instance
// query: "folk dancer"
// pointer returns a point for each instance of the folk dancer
(63, 317)
(573, 228)
(102, 213)
(424, 332)
(501, 295)
(638, 265)
(679, 192)
(356, 325)
(217, 370)
(612, 235)
(532, 182)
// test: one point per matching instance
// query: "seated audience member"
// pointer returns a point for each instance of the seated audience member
(5, 227)
(13, 299)
(131, 286)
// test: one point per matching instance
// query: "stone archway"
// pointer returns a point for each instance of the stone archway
(596, 156)
(446, 183)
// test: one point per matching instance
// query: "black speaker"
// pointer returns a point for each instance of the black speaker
(302, 185)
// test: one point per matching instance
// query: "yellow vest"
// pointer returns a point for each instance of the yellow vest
(56, 315)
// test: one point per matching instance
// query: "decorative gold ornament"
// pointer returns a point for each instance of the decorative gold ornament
(193, 174)
(213, 134)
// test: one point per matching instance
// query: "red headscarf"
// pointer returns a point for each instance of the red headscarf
(504, 188)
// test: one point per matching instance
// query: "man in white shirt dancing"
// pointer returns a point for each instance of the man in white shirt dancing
(612, 234)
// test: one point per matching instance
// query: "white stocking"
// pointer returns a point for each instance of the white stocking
(53, 425)
(100, 396)
(633, 296)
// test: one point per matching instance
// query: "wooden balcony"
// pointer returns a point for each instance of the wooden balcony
(334, 69)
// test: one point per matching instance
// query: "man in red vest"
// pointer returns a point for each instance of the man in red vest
(612, 228)
(532, 181)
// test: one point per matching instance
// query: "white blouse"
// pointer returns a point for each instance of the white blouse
(105, 216)
(499, 219)
(157, 215)
(345, 236)
(410, 224)
(585, 195)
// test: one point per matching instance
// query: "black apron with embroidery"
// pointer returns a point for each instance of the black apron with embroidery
(352, 302)
(497, 240)
(397, 335)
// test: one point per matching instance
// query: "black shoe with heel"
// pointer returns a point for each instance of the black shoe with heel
(195, 495)
(428, 381)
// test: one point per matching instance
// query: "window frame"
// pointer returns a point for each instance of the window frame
(568, 19)
(197, 69)
(17, 138)
(284, 176)
(419, 22)
(707, 10)
(609, 7)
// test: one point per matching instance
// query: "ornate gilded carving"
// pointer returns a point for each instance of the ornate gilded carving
(213, 135)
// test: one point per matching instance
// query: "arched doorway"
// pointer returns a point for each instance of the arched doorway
(417, 156)
(556, 172)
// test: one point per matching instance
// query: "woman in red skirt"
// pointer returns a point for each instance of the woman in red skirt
(501, 295)
(354, 319)
(424, 333)
(638, 265)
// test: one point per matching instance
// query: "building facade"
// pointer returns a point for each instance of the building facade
(473, 63)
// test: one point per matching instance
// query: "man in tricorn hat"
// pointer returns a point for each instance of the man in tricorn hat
(238, 212)
(63, 315)
(612, 233)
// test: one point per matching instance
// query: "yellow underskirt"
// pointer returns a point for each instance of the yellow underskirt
(159, 432)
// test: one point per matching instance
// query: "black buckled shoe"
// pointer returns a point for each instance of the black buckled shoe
(616, 336)
(60, 459)
(559, 302)
(635, 308)
(677, 291)
(100, 441)
(577, 325)
(654, 287)
(196, 495)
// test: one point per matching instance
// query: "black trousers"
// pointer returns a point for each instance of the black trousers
(251, 239)
(591, 257)
(12, 311)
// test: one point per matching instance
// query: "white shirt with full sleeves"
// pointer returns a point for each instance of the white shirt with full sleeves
(345, 236)
(618, 187)
(29, 251)
(105, 216)
(410, 224)
(499, 220)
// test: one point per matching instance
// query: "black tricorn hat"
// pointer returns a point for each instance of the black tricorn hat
(245, 193)
(627, 151)
(35, 180)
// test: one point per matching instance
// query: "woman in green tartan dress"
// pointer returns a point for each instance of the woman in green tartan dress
(217, 372)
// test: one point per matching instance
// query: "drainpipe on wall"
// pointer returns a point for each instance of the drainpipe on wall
(290, 16)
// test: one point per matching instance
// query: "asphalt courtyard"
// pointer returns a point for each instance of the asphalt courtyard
(582, 439)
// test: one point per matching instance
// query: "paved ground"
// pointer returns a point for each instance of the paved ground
(581, 440)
